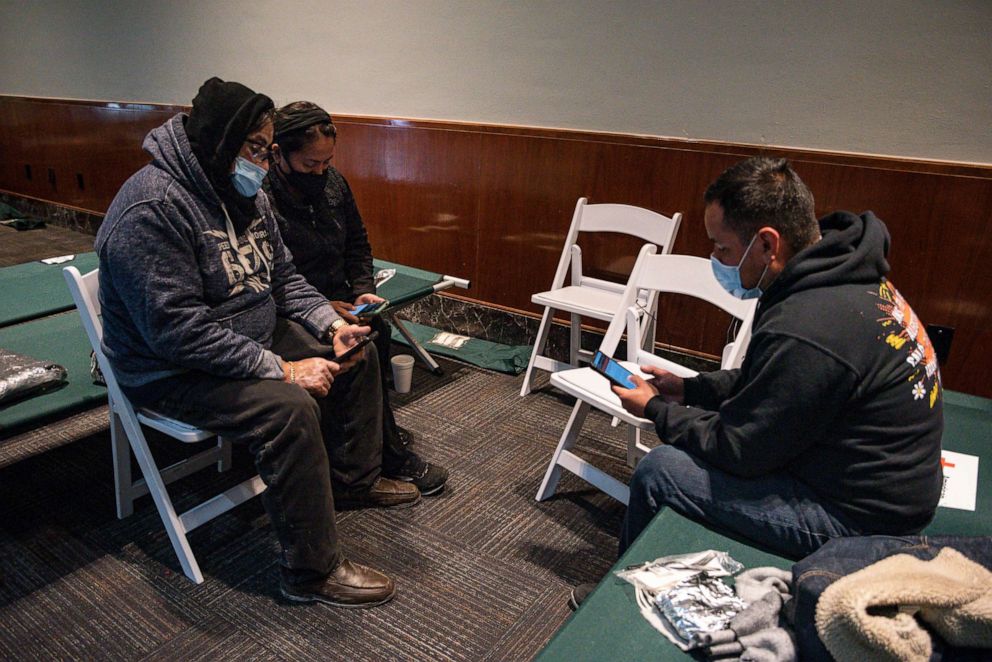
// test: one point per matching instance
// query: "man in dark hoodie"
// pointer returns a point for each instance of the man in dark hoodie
(205, 319)
(832, 425)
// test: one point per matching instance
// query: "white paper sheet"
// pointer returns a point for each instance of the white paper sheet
(960, 480)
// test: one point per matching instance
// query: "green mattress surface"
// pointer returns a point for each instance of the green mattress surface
(61, 339)
(32, 290)
(609, 625)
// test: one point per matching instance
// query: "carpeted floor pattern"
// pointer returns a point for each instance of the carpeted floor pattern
(24, 246)
(483, 570)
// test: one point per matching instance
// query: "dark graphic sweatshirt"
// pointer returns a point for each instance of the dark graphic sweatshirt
(175, 293)
(840, 387)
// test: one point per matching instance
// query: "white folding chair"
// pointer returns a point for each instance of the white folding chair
(678, 274)
(126, 428)
(592, 297)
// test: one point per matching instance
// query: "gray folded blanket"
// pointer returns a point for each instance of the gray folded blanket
(757, 634)
(23, 377)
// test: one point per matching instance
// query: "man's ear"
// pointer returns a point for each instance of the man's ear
(771, 243)
(276, 152)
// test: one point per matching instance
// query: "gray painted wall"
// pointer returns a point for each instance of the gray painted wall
(908, 78)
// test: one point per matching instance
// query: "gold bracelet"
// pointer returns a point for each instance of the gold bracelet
(292, 373)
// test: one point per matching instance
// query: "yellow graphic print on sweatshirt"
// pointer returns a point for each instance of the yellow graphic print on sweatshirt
(902, 330)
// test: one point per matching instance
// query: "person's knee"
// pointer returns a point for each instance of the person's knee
(295, 407)
(657, 471)
(657, 462)
(288, 422)
(372, 358)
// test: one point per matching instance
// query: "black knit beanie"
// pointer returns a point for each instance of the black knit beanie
(222, 116)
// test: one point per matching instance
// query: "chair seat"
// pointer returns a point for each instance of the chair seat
(590, 386)
(653, 274)
(588, 301)
(178, 430)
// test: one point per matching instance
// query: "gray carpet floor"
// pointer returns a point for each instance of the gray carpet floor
(483, 571)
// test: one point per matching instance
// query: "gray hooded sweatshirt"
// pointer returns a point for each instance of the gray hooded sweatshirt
(174, 294)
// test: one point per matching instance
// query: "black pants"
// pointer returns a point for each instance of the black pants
(393, 451)
(305, 448)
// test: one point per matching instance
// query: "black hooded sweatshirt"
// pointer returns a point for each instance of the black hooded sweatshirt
(840, 388)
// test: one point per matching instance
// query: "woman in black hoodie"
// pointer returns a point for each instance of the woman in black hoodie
(321, 225)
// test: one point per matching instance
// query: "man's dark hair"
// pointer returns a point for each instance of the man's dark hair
(297, 124)
(764, 191)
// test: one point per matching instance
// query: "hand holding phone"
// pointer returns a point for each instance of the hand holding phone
(357, 347)
(612, 370)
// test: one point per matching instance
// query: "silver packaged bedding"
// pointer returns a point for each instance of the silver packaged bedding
(22, 376)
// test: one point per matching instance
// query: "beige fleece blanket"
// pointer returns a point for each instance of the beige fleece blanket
(872, 614)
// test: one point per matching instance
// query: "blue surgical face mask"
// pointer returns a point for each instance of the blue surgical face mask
(247, 176)
(730, 277)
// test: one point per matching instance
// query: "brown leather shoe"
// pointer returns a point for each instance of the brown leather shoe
(350, 585)
(384, 493)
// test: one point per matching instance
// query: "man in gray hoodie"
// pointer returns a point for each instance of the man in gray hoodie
(205, 319)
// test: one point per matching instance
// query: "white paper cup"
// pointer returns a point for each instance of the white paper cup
(402, 372)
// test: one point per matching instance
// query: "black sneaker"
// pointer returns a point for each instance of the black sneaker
(429, 478)
(405, 436)
(579, 595)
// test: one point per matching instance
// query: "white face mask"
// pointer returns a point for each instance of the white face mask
(730, 277)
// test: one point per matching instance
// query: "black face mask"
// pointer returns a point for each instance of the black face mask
(311, 185)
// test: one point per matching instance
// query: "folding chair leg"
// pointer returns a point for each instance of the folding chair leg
(567, 441)
(564, 458)
(635, 450)
(539, 344)
(575, 339)
(156, 487)
(123, 484)
(224, 459)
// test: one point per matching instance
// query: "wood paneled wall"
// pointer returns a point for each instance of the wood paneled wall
(493, 203)
(74, 153)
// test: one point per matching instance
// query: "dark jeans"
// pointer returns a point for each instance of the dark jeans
(775, 512)
(305, 448)
(843, 556)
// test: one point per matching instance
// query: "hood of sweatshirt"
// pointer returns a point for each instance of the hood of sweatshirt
(171, 152)
(853, 249)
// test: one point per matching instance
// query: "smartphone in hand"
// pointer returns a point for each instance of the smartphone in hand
(367, 310)
(612, 370)
(357, 347)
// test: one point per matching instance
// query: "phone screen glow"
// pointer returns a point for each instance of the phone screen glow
(614, 370)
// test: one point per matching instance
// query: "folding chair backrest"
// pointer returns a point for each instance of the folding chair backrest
(85, 291)
(629, 300)
(626, 219)
(691, 276)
